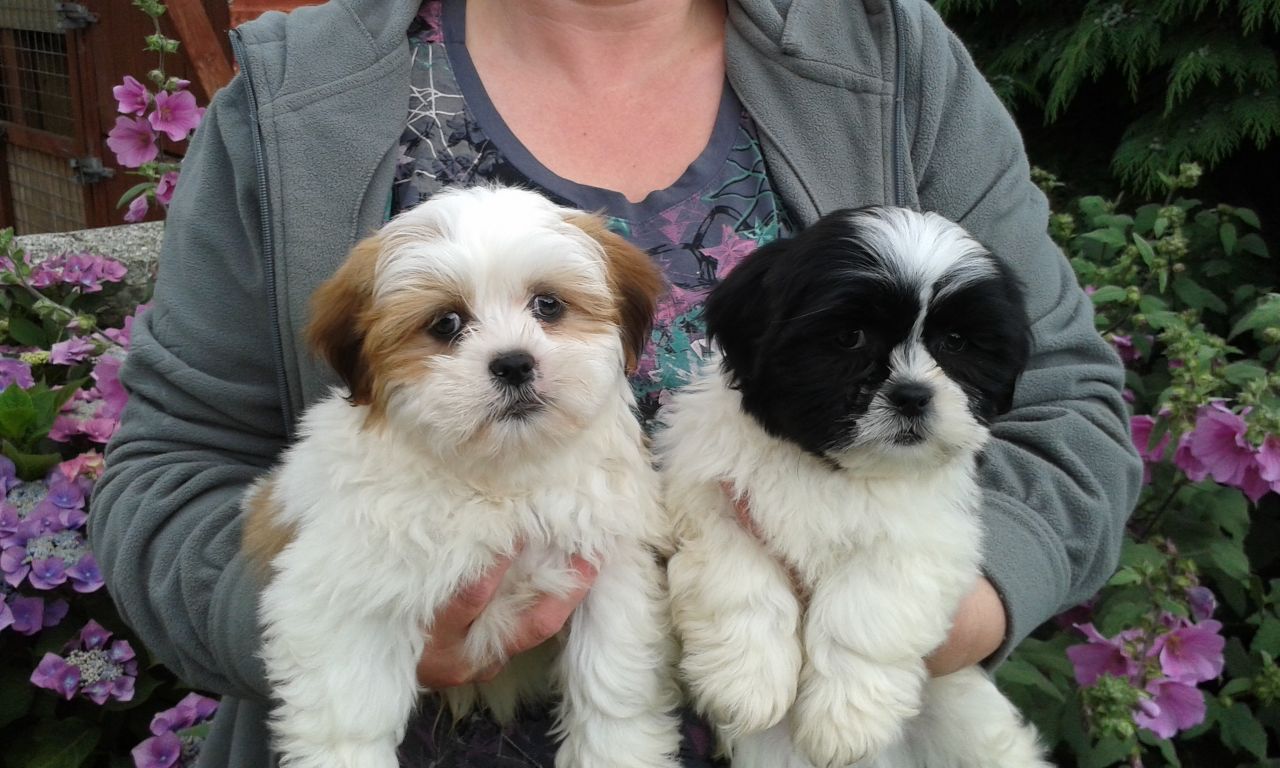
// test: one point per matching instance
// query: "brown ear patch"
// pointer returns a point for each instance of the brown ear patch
(338, 325)
(263, 535)
(634, 279)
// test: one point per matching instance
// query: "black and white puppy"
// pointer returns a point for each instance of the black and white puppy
(859, 366)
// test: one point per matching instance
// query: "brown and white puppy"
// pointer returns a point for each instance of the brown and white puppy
(484, 338)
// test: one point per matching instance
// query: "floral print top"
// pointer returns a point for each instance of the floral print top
(697, 230)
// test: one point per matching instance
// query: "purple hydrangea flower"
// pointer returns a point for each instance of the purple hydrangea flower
(96, 667)
(160, 751)
(15, 372)
(71, 351)
(192, 710)
(8, 476)
(176, 114)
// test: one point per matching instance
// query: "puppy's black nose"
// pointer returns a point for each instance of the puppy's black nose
(513, 369)
(911, 398)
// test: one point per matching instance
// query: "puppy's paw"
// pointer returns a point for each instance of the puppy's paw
(834, 725)
(743, 693)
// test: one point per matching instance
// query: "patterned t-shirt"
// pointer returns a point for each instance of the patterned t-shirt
(698, 229)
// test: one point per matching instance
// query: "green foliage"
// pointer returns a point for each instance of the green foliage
(1186, 291)
(1201, 79)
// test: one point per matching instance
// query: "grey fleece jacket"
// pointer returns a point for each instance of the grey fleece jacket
(856, 103)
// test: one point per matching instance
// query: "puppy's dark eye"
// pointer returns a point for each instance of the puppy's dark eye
(547, 307)
(952, 342)
(851, 338)
(446, 327)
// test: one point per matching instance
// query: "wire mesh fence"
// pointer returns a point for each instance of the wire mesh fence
(36, 114)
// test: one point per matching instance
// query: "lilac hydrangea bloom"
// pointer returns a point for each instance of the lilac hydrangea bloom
(193, 709)
(8, 476)
(96, 667)
(15, 372)
(161, 751)
(71, 351)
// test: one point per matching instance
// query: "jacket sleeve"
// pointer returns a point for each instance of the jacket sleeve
(1061, 476)
(203, 420)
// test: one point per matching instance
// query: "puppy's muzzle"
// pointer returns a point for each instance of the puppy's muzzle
(512, 369)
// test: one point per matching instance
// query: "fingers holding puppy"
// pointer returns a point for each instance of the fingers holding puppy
(445, 661)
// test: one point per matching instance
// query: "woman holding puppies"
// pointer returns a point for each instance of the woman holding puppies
(702, 130)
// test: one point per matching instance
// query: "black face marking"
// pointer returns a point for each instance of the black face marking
(807, 327)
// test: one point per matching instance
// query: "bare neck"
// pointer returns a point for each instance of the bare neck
(591, 42)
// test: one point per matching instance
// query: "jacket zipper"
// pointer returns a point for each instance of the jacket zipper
(268, 242)
(899, 109)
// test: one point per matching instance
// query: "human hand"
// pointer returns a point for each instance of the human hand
(977, 630)
(444, 664)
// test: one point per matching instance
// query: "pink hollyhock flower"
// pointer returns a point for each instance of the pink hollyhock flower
(1191, 653)
(137, 209)
(1202, 603)
(1141, 428)
(132, 97)
(1124, 346)
(1253, 485)
(176, 114)
(165, 187)
(133, 141)
(1174, 706)
(1268, 459)
(1218, 442)
(1103, 656)
(1188, 463)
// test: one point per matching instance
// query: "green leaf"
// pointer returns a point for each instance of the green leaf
(1227, 234)
(1243, 372)
(133, 192)
(1241, 730)
(18, 413)
(1230, 558)
(1265, 314)
(27, 333)
(55, 744)
(1253, 243)
(1125, 577)
(1144, 250)
(1018, 672)
(1248, 217)
(1196, 296)
(1108, 294)
(1166, 748)
(30, 466)
(1107, 236)
(1267, 638)
(1236, 686)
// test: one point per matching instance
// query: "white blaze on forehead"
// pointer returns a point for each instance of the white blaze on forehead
(489, 245)
(924, 250)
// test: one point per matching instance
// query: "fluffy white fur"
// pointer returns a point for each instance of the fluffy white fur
(391, 516)
(822, 665)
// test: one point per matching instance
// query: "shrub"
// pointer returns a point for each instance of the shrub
(1176, 657)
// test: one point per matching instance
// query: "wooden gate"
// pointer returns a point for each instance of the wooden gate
(58, 63)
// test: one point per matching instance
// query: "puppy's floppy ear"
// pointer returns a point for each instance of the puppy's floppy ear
(1018, 331)
(636, 283)
(737, 312)
(339, 318)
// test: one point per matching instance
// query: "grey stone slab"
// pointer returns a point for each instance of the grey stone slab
(137, 246)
